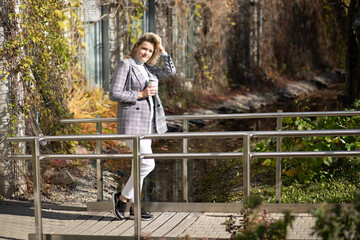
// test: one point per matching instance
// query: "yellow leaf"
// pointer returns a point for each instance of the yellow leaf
(61, 24)
(81, 31)
(58, 13)
(266, 163)
(290, 173)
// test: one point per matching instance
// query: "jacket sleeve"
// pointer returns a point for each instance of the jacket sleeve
(120, 90)
(165, 68)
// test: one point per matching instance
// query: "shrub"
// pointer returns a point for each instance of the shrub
(305, 170)
(257, 224)
(338, 222)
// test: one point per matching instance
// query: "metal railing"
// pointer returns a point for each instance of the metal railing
(279, 115)
(36, 155)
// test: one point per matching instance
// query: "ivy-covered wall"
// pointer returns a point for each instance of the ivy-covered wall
(6, 176)
(39, 59)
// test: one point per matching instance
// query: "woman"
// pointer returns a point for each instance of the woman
(139, 109)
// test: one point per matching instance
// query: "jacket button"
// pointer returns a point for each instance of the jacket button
(137, 108)
(158, 105)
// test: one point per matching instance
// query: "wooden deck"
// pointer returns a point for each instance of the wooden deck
(169, 225)
(171, 221)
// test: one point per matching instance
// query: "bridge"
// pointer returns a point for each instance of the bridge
(171, 221)
(176, 218)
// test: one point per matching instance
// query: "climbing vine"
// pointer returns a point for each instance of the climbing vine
(40, 51)
(134, 16)
(131, 14)
(203, 30)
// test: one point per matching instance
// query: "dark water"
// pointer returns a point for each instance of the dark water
(164, 184)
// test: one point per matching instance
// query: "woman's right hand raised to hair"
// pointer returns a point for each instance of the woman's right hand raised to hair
(147, 92)
(161, 48)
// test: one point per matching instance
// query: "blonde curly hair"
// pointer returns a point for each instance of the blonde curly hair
(151, 38)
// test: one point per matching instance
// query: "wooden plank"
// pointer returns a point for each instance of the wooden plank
(68, 219)
(84, 226)
(159, 221)
(130, 231)
(102, 223)
(72, 224)
(186, 223)
(115, 223)
(122, 227)
(170, 224)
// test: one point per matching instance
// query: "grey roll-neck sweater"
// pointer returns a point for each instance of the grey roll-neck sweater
(141, 67)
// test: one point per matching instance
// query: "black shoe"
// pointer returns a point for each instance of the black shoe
(145, 216)
(118, 206)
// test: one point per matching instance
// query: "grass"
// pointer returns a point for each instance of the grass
(341, 188)
(335, 191)
(330, 191)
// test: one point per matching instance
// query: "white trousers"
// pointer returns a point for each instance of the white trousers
(146, 166)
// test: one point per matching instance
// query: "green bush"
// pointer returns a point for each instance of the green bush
(304, 170)
(338, 222)
(257, 224)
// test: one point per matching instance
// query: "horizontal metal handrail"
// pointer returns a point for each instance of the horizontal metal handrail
(305, 154)
(181, 135)
(217, 155)
(208, 155)
(88, 137)
(87, 156)
(263, 115)
(21, 139)
(22, 157)
(88, 120)
(306, 133)
(259, 134)
(228, 116)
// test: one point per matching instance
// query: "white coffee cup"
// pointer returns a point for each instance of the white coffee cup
(154, 82)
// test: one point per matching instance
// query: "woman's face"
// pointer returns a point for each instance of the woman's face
(144, 51)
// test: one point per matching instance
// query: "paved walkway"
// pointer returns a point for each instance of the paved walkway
(17, 221)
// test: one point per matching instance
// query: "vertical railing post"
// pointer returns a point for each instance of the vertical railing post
(37, 188)
(185, 162)
(137, 202)
(278, 160)
(99, 175)
(246, 165)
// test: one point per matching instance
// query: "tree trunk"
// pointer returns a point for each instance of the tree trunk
(352, 59)
(352, 78)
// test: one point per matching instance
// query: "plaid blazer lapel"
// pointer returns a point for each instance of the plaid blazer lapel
(138, 75)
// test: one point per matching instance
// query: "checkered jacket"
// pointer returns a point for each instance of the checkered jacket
(133, 115)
